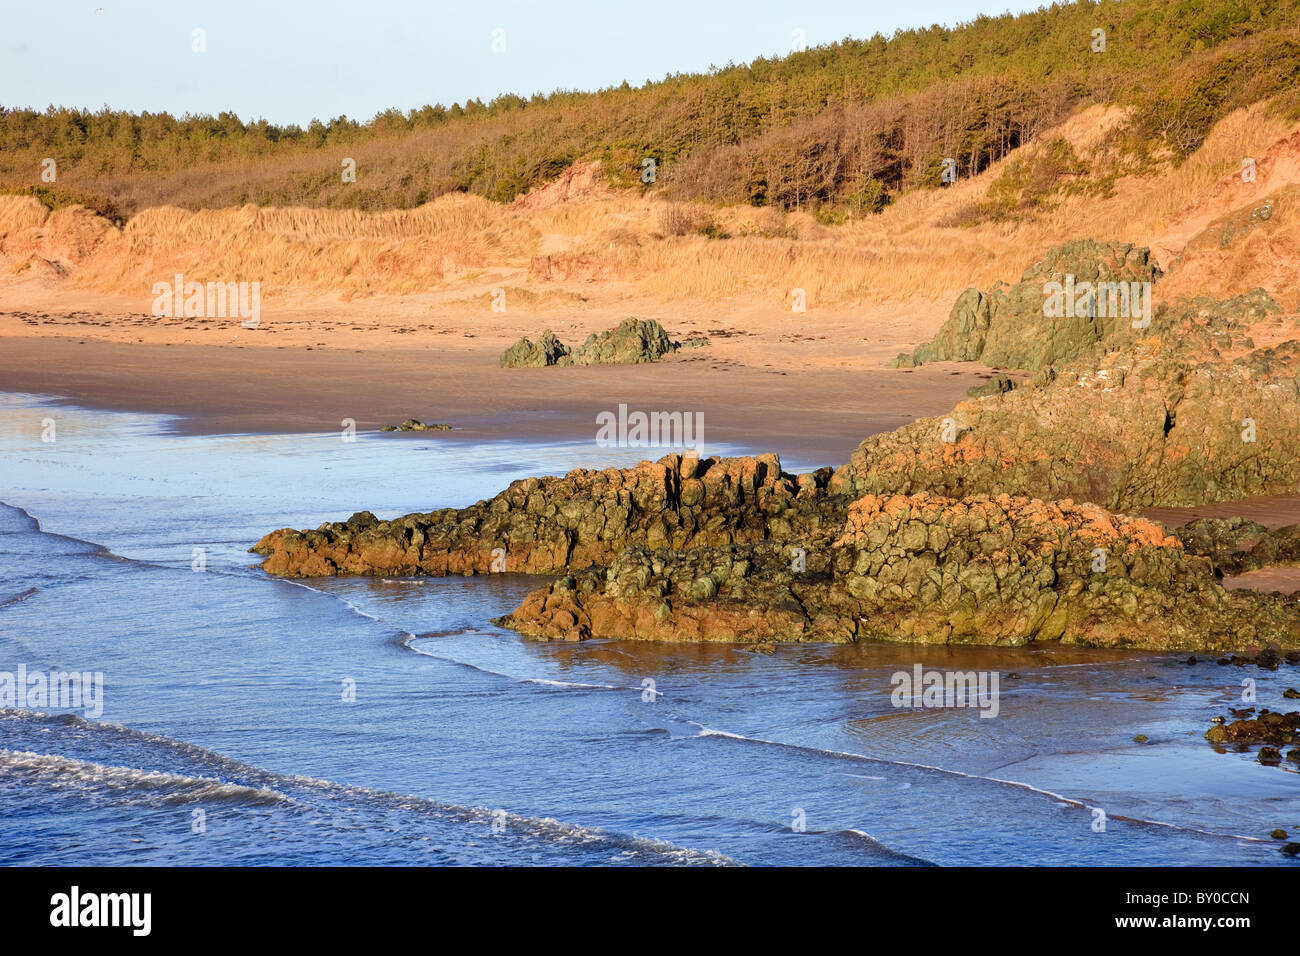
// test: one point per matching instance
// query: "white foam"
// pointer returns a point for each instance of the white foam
(55, 769)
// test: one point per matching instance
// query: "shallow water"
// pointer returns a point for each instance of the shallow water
(225, 736)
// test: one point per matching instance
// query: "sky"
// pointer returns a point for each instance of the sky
(289, 61)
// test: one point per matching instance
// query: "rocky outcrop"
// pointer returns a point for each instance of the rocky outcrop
(994, 524)
(633, 342)
(415, 425)
(547, 350)
(998, 384)
(1237, 545)
(1272, 730)
(737, 550)
(926, 569)
(548, 525)
(1185, 412)
(1022, 326)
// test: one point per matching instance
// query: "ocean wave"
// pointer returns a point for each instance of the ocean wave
(234, 781)
(21, 596)
(1061, 799)
(34, 525)
(861, 836)
(410, 645)
(548, 682)
(55, 771)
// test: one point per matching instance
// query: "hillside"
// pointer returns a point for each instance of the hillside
(841, 130)
(578, 245)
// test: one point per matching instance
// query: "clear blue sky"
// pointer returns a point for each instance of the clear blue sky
(290, 60)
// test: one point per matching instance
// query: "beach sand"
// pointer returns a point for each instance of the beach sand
(808, 386)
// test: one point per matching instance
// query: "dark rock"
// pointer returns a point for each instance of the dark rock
(415, 425)
(548, 350)
(1225, 541)
(1270, 728)
(999, 384)
(633, 342)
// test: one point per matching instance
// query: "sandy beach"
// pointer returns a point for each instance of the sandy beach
(806, 386)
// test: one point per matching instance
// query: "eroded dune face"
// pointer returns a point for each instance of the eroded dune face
(48, 243)
(1253, 245)
(578, 237)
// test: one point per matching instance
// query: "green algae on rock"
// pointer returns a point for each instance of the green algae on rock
(547, 525)
(923, 569)
(633, 342)
(1014, 326)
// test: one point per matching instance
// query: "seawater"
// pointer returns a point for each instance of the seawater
(249, 720)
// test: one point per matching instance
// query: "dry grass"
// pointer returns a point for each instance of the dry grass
(904, 253)
(312, 249)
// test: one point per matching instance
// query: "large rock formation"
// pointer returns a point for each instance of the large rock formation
(1185, 412)
(737, 550)
(988, 525)
(633, 342)
(1018, 327)
(547, 525)
(547, 350)
(926, 569)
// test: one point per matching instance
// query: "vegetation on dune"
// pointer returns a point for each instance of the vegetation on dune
(54, 197)
(838, 129)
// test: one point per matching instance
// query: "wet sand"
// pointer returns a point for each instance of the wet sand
(1268, 580)
(817, 415)
(1273, 512)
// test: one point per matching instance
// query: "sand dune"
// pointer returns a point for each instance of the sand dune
(577, 241)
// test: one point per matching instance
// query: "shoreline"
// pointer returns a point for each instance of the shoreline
(812, 415)
(817, 415)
